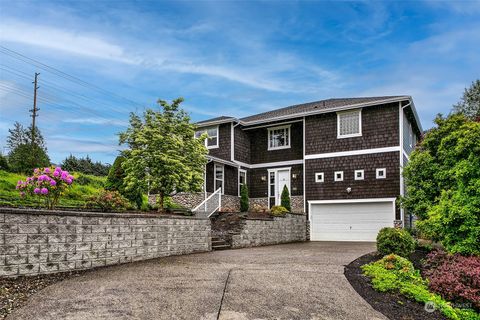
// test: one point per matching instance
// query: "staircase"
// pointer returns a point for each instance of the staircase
(220, 244)
(210, 205)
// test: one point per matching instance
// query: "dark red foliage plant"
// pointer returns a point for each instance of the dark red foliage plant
(455, 277)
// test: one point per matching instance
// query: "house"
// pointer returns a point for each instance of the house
(341, 160)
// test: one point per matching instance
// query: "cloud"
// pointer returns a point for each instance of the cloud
(97, 121)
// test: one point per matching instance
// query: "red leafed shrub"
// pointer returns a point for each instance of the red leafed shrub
(455, 277)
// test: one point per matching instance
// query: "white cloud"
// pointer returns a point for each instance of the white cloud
(96, 121)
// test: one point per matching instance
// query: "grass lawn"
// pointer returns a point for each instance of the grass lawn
(84, 186)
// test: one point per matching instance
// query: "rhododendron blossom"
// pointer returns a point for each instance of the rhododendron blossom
(47, 184)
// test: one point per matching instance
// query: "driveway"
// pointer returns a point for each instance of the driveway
(291, 281)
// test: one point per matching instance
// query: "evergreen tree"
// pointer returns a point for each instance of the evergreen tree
(25, 157)
(244, 198)
(469, 104)
(285, 198)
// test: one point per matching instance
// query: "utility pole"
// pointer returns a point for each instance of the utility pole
(34, 110)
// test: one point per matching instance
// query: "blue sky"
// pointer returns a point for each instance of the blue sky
(229, 58)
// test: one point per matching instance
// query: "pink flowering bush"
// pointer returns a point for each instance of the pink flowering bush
(46, 184)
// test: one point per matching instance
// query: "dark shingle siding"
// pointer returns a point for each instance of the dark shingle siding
(380, 129)
(223, 150)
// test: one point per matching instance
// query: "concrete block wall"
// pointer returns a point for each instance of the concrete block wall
(260, 232)
(38, 241)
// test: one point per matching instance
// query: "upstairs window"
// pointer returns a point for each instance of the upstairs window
(212, 140)
(349, 124)
(279, 138)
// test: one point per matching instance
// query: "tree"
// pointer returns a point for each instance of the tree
(469, 104)
(24, 158)
(85, 165)
(3, 163)
(244, 198)
(163, 152)
(285, 198)
(443, 184)
(115, 182)
(16, 136)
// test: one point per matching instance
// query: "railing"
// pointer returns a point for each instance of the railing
(209, 205)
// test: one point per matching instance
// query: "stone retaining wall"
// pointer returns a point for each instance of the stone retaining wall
(261, 232)
(38, 241)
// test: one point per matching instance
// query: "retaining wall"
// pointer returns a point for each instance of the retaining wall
(261, 232)
(39, 241)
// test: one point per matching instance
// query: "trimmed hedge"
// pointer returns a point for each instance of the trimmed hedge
(397, 241)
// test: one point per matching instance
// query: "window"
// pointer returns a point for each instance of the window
(271, 182)
(338, 175)
(212, 140)
(359, 174)
(218, 168)
(279, 138)
(381, 173)
(242, 179)
(319, 177)
(349, 124)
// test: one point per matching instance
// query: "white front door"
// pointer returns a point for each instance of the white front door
(283, 179)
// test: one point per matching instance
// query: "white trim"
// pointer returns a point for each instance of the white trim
(359, 178)
(215, 177)
(289, 169)
(271, 125)
(239, 171)
(232, 142)
(205, 130)
(270, 129)
(377, 171)
(269, 164)
(322, 175)
(304, 169)
(335, 176)
(351, 135)
(402, 187)
(351, 153)
(214, 123)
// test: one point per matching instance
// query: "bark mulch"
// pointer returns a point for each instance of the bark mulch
(394, 306)
(14, 292)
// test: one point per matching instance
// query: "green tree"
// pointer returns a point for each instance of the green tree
(163, 152)
(469, 104)
(85, 165)
(24, 158)
(244, 203)
(285, 198)
(17, 136)
(3, 163)
(443, 184)
(115, 182)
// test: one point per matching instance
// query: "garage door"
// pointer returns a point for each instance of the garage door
(349, 221)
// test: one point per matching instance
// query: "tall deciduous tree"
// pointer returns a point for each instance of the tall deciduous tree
(469, 104)
(163, 154)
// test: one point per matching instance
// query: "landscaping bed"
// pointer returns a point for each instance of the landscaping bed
(393, 305)
(14, 292)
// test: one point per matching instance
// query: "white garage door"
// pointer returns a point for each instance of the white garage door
(349, 221)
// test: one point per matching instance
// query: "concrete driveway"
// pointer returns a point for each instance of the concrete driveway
(291, 281)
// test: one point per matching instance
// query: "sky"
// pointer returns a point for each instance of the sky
(111, 58)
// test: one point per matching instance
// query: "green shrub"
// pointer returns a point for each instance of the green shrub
(393, 274)
(244, 198)
(168, 203)
(285, 199)
(397, 241)
(108, 201)
(3, 163)
(278, 211)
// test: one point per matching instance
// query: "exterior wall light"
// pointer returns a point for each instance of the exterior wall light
(349, 190)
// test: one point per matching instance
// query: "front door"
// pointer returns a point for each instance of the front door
(283, 179)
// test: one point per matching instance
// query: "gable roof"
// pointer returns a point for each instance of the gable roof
(300, 110)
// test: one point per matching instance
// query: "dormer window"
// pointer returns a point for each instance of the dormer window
(279, 138)
(349, 123)
(211, 141)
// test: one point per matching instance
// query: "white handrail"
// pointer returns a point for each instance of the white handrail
(204, 203)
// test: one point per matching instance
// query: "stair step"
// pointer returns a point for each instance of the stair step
(220, 242)
(221, 247)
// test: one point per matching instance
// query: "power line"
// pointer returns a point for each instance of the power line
(62, 74)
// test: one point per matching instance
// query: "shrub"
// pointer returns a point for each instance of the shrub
(3, 163)
(108, 201)
(168, 203)
(278, 211)
(397, 241)
(454, 277)
(115, 182)
(285, 199)
(46, 184)
(259, 208)
(244, 198)
(393, 273)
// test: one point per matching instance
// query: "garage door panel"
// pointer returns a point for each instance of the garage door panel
(349, 221)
